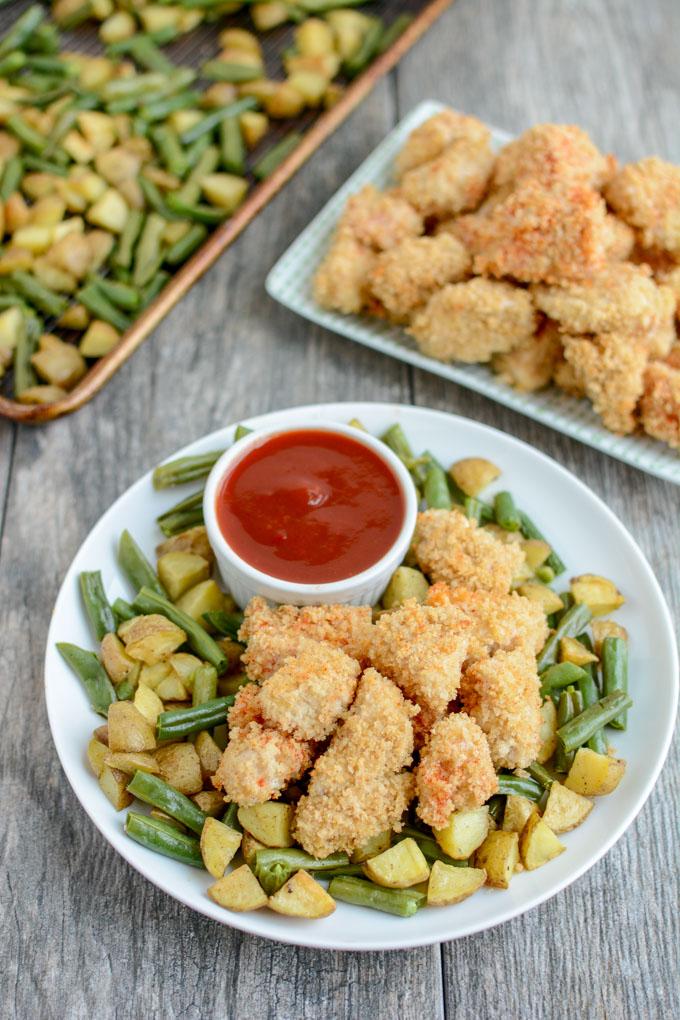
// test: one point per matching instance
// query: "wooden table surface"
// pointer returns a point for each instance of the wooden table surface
(83, 934)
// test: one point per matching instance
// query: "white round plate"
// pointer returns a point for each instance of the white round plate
(589, 539)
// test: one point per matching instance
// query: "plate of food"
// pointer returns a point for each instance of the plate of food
(533, 270)
(377, 738)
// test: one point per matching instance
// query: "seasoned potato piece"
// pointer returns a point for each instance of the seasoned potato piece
(109, 212)
(96, 753)
(472, 474)
(254, 126)
(205, 597)
(405, 583)
(211, 802)
(171, 688)
(184, 665)
(195, 540)
(518, 810)
(548, 731)
(151, 639)
(100, 338)
(399, 867)
(544, 596)
(128, 729)
(131, 762)
(465, 831)
(593, 774)
(239, 890)
(249, 848)
(498, 856)
(151, 676)
(449, 885)
(114, 785)
(226, 191)
(240, 39)
(11, 327)
(115, 659)
(208, 753)
(564, 809)
(598, 593)
(536, 552)
(572, 650)
(314, 36)
(102, 734)
(301, 896)
(270, 823)
(180, 766)
(58, 362)
(219, 844)
(372, 847)
(538, 844)
(606, 628)
(179, 571)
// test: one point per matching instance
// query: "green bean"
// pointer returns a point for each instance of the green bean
(205, 164)
(361, 892)
(11, 177)
(223, 70)
(75, 18)
(519, 785)
(579, 730)
(615, 673)
(43, 39)
(230, 818)
(561, 675)
(125, 690)
(396, 439)
(196, 151)
(99, 612)
(44, 166)
(99, 305)
(541, 775)
(120, 294)
(148, 255)
(162, 108)
(227, 624)
(182, 721)
(155, 791)
(171, 153)
(127, 104)
(195, 211)
(436, 491)
(27, 135)
(123, 610)
(565, 712)
(192, 502)
(205, 685)
(496, 805)
(366, 51)
(136, 567)
(155, 200)
(149, 601)
(49, 64)
(12, 63)
(567, 603)
(505, 512)
(429, 846)
(571, 624)
(181, 520)
(154, 834)
(590, 695)
(529, 530)
(38, 295)
(208, 123)
(144, 50)
(185, 469)
(394, 32)
(92, 674)
(22, 28)
(122, 256)
(154, 287)
(27, 345)
(232, 146)
(181, 250)
(473, 509)
(138, 85)
(274, 867)
(241, 431)
(266, 166)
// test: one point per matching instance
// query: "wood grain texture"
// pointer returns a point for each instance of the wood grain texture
(84, 935)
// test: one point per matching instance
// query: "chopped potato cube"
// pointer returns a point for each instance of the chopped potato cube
(151, 676)
(546, 597)
(226, 191)
(311, 86)
(147, 702)
(132, 761)
(179, 571)
(536, 552)
(96, 754)
(498, 856)
(239, 890)
(465, 831)
(185, 665)
(120, 25)
(180, 767)
(219, 844)
(249, 847)
(269, 823)
(572, 650)
(110, 211)
(100, 338)
(240, 39)
(41, 395)
(593, 774)
(565, 809)
(75, 317)
(372, 847)
(194, 540)
(205, 597)
(517, 812)
(128, 729)
(35, 239)
(598, 593)
(548, 731)
(114, 785)
(269, 15)
(11, 327)
(98, 128)
(538, 844)
(254, 126)
(208, 753)
(171, 688)
(152, 638)
(472, 474)
(401, 866)
(211, 803)
(449, 885)
(606, 628)
(58, 362)
(302, 896)
(285, 101)
(405, 583)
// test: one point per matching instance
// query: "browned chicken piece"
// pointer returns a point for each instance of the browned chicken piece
(543, 234)
(431, 138)
(660, 406)
(357, 788)
(670, 278)
(611, 369)
(422, 648)
(273, 634)
(340, 282)
(474, 320)
(553, 153)
(647, 196)
(452, 182)
(450, 547)
(404, 277)
(258, 763)
(455, 771)
(619, 239)
(673, 356)
(564, 374)
(502, 694)
(530, 365)
(379, 220)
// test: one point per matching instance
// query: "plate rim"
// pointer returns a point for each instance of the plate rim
(303, 939)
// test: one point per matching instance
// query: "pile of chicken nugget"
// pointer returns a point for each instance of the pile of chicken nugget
(546, 260)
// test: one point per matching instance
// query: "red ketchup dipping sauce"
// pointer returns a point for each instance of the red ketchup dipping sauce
(311, 507)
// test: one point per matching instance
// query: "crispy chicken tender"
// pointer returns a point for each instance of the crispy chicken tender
(530, 365)
(406, 276)
(274, 634)
(259, 762)
(660, 407)
(450, 547)
(673, 356)
(647, 196)
(340, 282)
(452, 182)
(541, 233)
(611, 370)
(502, 694)
(553, 153)
(310, 691)
(471, 321)
(619, 239)
(357, 788)
(431, 138)
(455, 771)
(379, 220)
(246, 708)
(422, 648)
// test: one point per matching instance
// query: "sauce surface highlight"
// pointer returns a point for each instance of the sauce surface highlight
(311, 507)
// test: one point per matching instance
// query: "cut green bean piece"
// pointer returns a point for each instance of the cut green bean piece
(473, 509)
(574, 621)
(230, 818)
(182, 721)
(429, 846)
(272, 160)
(172, 155)
(160, 109)
(92, 674)
(541, 775)
(155, 791)
(561, 675)
(436, 490)
(99, 612)
(273, 867)
(27, 135)
(12, 63)
(181, 250)
(205, 685)
(519, 785)
(123, 610)
(144, 50)
(223, 70)
(149, 601)
(366, 51)
(148, 254)
(185, 469)
(122, 256)
(565, 712)
(156, 835)
(11, 177)
(120, 294)
(241, 431)
(181, 520)
(192, 502)
(154, 199)
(136, 566)
(232, 146)
(615, 673)
(394, 32)
(205, 163)
(125, 690)
(578, 731)
(154, 287)
(44, 166)
(529, 530)
(38, 295)
(505, 512)
(27, 345)
(21, 30)
(395, 438)
(99, 305)
(361, 892)
(208, 123)
(209, 214)
(226, 624)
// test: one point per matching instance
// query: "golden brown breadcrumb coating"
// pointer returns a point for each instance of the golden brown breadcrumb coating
(246, 707)
(340, 282)
(452, 182)
(455, 771)
(673, 356)
(611, 369)
(502, 694)
(529, 366)
(379, 220)
(259, 762)
(310, 691)
(434, 135)
(551, 154)
(450, 547)
(660, 406)
(619, 240)
(273, 634)
(471, 321)
(422, 648)
(647, 196)
(404, 277)
(357, 788)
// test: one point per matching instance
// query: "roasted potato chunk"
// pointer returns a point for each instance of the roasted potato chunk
(151, 639)
(518, 810)
(449, 885)
(179, 571)
(372, 847)
(239, 890)
(96, 755)
(544, 596)
(180, 767)
(131, 762)
(270, 823)
(117, 663)
(606, 628)
(114, 785)
(465, 831)
(498, 856)
(593, 774)
(548, 731)
(128, 729)
(565, 809)
(598, 593)
(538, 844)
(219, 844)
(301, 896)
(472, 474)
(401, 866)
(148, 704)
(405, 583)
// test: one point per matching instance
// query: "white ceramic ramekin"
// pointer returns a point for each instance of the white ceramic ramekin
(244, 581)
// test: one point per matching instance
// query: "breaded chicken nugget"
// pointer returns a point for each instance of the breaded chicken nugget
(471, 321)
(340, 282)
(422, 648)
(647, 196)
(452, 182)
(611, 370)
(455, 771)
(406, 276)
(273, 634)
(379, 220)
(259, 762)
(530, 365)
(310, 691)
(246, 708)
(673, 356)
(357, 788)
(431, 138)
(660, 407)
(540, 233)
(450, 547)
(619, 239)
(564, 374)
(551, 154)
(502, 695)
